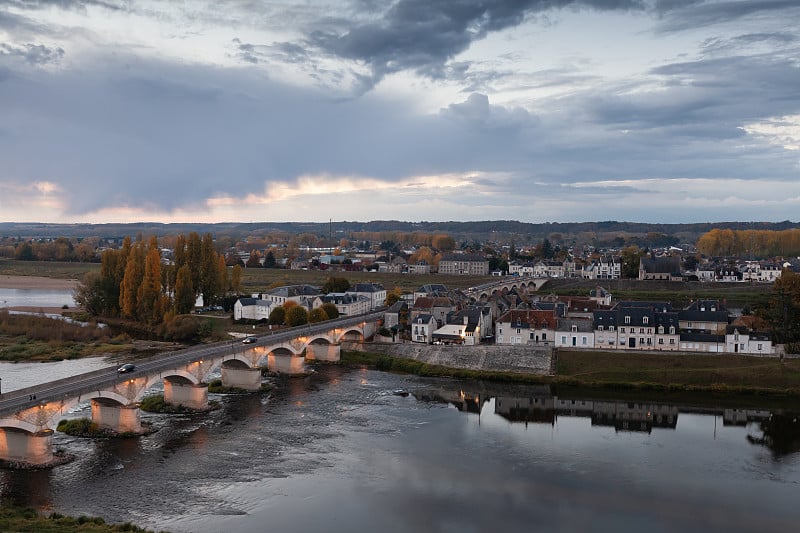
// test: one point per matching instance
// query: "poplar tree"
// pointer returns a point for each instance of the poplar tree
(134, 273)
(184, 292)
(149, 294)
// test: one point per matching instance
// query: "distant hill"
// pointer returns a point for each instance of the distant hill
(499, 231)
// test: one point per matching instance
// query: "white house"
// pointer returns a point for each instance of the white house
(374, 292)
(422, 328)
(252, 309)
(347, 304)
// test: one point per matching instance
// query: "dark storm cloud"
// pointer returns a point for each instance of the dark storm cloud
(422, 35)
(35, 54)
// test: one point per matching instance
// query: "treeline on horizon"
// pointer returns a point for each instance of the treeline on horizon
(485, 229)
(750, 243)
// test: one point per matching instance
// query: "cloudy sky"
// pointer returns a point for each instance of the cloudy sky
(310, 110)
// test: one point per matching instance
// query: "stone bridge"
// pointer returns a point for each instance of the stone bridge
(28, 417)
(505, 284)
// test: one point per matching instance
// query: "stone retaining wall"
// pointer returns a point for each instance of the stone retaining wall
(522, 359)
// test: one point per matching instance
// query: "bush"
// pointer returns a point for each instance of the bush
(296, 316)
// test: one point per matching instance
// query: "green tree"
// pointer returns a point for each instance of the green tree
(334, 284)
(269, 260)
(277, 316)
(296, 316)
(330, 310)
(630, 257)
(24, 252)
(317, 315)
(184, 292)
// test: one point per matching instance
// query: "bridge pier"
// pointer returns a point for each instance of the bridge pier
(186, 394)
(286, 364)
(244, 377)
(17, 445)
(109, 414)
(323, 352)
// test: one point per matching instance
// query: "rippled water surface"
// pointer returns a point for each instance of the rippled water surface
(342, 451)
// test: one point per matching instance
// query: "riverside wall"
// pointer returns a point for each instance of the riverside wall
(521, 359)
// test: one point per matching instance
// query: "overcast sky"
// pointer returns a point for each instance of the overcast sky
(538, 110)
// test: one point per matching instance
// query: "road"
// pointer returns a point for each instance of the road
(56, 390)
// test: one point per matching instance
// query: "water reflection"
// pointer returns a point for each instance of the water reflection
(779, 430)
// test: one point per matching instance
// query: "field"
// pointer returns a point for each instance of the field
(46, 269)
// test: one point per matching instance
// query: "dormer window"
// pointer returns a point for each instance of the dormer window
(660, 330)
(672, 330)
(627, 320)
(645, 320)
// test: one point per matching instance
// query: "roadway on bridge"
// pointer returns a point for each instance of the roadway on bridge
(19, 400)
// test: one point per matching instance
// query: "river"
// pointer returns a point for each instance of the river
(35, 298)
(342, 451)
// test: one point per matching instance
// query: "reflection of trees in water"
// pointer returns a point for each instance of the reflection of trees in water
(781, 434)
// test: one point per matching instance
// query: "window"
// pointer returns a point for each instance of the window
(611, 328)
(622, 330)
(544, 336)
(641, 331)
(672, 330)
(517, 330)
(645, 319)
(599, 328)
(660, 341)
(627, 320)
(759, 346)
(563, 339)
(583, 341)
(574, 328)
(660, 330)
(672, 341)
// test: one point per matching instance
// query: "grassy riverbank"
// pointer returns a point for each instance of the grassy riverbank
(25, 520)
(687, 378)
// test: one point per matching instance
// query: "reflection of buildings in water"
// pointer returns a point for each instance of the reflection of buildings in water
(463, 401)
(537, 410)
(633, 416)
(623, 416)
(741, 417)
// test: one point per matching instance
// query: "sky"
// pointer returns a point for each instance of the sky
(664, 111)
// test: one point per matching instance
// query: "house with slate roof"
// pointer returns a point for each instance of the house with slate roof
(347, 304)
(664, 268)
(252, 309)
(574, 333)
(464, 264)
(301, 294)
(372, 291)
(422, 328)
(526, 326)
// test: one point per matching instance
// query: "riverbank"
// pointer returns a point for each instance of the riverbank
(26, 519)
(677, 375)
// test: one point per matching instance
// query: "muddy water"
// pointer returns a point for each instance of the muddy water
(341, 452)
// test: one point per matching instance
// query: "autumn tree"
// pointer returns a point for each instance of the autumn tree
(148, 297)
(236, 278)
(296, 316)
(134, 274)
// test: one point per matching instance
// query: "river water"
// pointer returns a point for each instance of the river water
(35, 298)
(343, 451)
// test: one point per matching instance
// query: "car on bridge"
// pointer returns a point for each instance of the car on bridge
(127, 368)
(249, 340)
